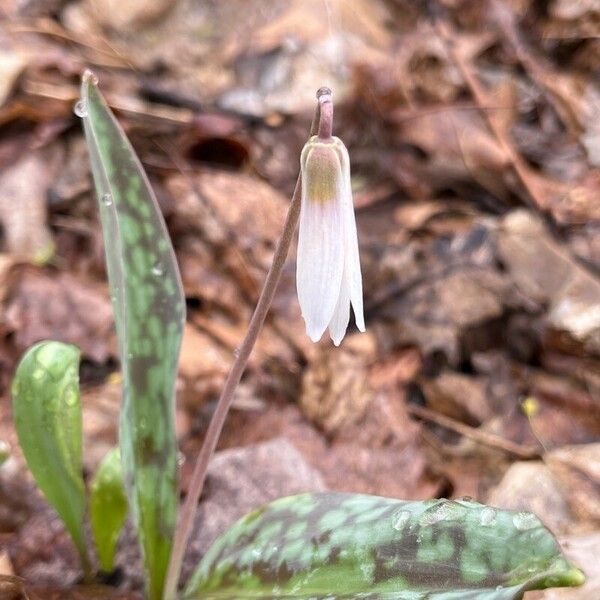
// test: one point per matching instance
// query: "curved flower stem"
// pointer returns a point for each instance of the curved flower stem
(188, 511)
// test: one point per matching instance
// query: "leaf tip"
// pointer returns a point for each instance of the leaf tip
(89, 83)
(89, 77)
(575, 576)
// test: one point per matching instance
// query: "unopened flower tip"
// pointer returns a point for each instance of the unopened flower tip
(328, 276)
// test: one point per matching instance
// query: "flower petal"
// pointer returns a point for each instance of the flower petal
(341, 314)
(352, 272)
(320, 261)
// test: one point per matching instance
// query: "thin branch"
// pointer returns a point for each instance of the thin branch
(186, 520)
(477, 435)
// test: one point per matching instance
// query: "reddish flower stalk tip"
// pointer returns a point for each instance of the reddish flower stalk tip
(324, 96)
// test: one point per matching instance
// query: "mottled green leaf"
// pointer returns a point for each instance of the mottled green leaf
(47, 414)
(344, 546)
(108, 507)
(149, 313)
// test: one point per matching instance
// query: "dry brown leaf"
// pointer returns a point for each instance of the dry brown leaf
(12, 588)
(122, 16)
(6, 567)
(458, 148)
(11, 66)
(335, 390)
(23, 196)
(363, 19)
(201, 356)
(234, 210)
(44, 305)
(459, 396)
(544, 271)
(577, 468)
(531, 486)
(100, 405)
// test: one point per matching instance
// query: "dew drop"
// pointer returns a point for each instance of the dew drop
(180, 459)
(236, 352)
(107, 200)
(158, 270)
(524, 521)
(440, 512)
(80, 109)
(400, 519)
(90, 76)
(488, 516)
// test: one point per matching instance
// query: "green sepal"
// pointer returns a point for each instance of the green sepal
(108, 508)
(47, 415)
(334, 545)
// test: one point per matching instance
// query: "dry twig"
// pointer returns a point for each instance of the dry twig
(482, 437)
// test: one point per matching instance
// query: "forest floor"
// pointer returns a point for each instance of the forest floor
(474, 136)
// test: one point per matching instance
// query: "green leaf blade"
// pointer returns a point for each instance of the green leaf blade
(334, 545)
(149, 312)
(47, 415)
(108, 508)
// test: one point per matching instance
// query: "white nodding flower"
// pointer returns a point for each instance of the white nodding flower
(328, 276)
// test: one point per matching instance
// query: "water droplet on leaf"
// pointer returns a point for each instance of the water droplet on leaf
(158, 270)
(439, 513)
(89, 75)
(524, 521)
(80, 109)
(400, 519)
(488, 516)
(107, 199)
